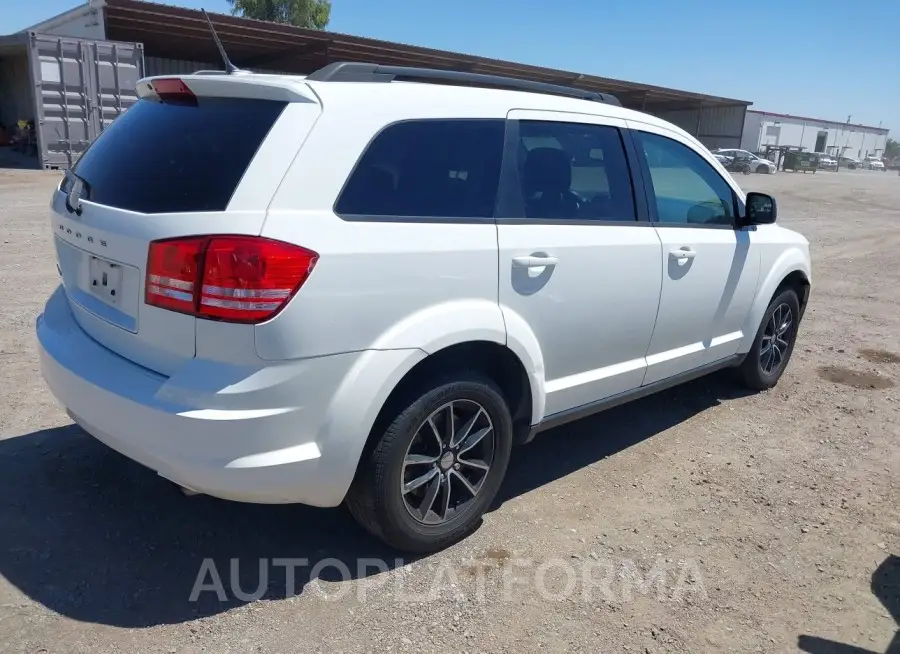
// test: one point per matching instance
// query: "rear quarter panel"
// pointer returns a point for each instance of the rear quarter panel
(378, 284)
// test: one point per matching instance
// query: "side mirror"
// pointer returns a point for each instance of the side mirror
(761, 209)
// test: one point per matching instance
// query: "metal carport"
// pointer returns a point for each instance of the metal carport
(177, 40)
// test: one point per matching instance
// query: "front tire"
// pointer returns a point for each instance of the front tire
(437, 467)
(768, 357)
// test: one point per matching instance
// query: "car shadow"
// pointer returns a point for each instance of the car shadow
(566, 449)
(97, 538)
(886, 588)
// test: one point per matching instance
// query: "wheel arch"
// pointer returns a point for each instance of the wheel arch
(474, 325)
(799, 282)
(494, 360)
(791, 270)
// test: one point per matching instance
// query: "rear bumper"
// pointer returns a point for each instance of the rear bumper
(275, 433)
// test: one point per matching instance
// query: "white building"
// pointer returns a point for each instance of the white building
(762, 128)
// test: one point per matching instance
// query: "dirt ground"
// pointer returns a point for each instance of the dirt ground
(699, 520)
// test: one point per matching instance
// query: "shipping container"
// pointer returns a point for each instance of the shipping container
(70, 89)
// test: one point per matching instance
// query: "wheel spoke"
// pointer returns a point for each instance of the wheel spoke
(473, 463)
(474, 439)
(445, 500)
(776, 356)
(464, 431)
(418, 459)
(430, 494)
(418, 481)
(465, 482)
(785, 324)
(436, 432)
(451, 426)
(770, 358)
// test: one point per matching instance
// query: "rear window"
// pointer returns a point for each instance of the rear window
(161, 157)
(428, 168)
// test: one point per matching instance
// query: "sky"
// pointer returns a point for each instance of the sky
(826, 59)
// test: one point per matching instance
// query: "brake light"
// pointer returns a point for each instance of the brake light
(173, 89)
(245, 279)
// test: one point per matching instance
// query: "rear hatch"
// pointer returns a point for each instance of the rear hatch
(198, 155)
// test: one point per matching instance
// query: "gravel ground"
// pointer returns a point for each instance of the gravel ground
(699, 520)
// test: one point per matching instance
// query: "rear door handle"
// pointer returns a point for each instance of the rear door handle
(683, 253)
(535, 261)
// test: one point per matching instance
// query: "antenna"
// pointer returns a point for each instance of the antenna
(230, 68)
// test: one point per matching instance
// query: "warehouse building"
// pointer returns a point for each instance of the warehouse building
(74, 73)
(845, 139)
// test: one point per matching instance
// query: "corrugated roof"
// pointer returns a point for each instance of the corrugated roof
(180, 33)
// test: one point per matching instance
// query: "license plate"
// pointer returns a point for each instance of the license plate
(105, 280)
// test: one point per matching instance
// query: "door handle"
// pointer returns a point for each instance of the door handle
(535, 261)
(683, 253)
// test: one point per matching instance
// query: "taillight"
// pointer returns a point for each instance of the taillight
(173, 269)
(231, 278)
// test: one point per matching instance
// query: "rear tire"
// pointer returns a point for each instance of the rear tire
(424, 486)
(771, 350)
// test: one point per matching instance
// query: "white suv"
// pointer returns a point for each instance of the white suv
(363, 287)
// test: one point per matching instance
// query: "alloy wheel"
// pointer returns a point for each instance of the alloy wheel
(447, 462)
(775, 342)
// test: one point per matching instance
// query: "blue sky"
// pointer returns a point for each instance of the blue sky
(820, 58)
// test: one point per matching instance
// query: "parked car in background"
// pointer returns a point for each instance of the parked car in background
(722, 159)
(826, 162)
(757, 164)
(874, 163)
(850, 162)
(734, 164)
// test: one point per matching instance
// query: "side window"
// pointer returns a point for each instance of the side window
(428, 168)
(574, 171)
(688, 190)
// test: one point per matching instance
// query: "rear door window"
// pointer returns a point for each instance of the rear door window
(162, 157)
(574, 171)
(428, 168)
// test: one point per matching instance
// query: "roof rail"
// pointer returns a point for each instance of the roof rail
(363, 72)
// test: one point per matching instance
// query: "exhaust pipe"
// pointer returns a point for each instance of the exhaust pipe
(187, 492)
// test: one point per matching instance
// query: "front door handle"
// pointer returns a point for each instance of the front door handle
(533, 261)
(683, 253)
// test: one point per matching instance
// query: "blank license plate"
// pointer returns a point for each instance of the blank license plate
(106, 280)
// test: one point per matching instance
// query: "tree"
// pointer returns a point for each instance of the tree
(892, 149)
(312, 14)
